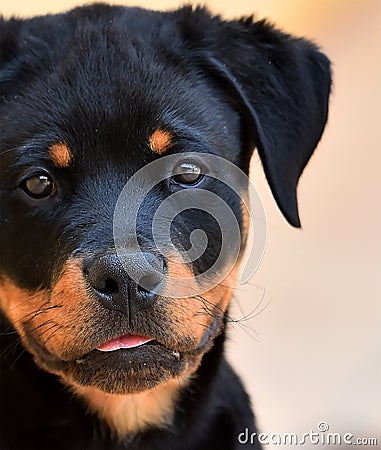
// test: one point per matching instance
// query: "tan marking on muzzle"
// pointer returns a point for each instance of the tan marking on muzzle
(58, 319)
(193, 315)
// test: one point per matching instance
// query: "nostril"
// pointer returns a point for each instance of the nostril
(105, 275)
(107, 286)
(148, 284)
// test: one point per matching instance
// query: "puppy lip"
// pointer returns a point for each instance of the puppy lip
(124, 342)
(45, 356)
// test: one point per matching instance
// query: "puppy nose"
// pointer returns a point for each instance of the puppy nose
(128, 284)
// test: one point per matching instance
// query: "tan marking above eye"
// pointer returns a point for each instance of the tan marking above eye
(61, 155)
(160, 141)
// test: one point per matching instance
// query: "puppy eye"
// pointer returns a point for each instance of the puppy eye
(40, 185)
(187, 173)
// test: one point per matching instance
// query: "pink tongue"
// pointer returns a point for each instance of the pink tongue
(127, 341)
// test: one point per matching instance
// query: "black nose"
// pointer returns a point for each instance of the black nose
(126, 285)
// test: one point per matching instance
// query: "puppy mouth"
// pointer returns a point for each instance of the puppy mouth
(126, 363)
(124, 342)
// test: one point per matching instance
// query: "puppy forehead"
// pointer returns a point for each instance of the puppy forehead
(117, 99)
(158, 141)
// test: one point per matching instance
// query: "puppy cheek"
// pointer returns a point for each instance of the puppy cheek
(54, 318)
(20, 305)
(193, 316)
(24, 308)
(72, 310)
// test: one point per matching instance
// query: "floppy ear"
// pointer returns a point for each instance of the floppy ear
(9, 30)
(27, 47)
(279, 84)
(9, 33)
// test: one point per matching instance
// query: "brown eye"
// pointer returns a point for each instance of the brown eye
(187, 173)
(40, 185)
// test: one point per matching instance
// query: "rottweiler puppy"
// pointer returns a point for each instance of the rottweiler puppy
(96, 352)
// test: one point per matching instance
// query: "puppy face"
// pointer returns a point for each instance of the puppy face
(87, 100)
(64, 289)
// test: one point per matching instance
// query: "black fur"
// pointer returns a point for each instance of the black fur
(102, 79)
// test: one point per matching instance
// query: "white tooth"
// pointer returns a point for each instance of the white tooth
(79, 361)
(176, 354)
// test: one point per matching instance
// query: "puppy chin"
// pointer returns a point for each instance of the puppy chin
(126, 371)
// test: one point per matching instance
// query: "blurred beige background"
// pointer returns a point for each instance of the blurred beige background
(313, 353)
